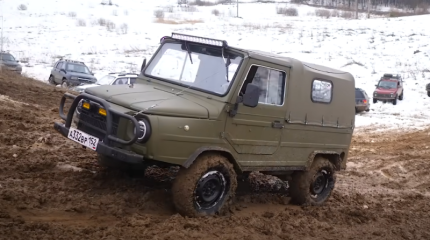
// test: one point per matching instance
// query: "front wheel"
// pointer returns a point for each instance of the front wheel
(207, 187)
(64, 84)
(395, 101)
(375, 100)
(428, 93)
(313, 187)
(401, 96)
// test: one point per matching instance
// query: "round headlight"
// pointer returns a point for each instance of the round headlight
(79, 106)
(144, 130)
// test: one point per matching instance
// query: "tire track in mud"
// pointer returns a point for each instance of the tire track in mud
(51, 188)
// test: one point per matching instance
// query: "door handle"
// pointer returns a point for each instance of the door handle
(277, 124)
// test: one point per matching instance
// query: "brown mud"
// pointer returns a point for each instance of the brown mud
(51, 188)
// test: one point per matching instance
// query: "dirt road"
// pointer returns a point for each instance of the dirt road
(51, 188)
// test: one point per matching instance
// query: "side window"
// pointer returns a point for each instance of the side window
(132, 80)
(120, 81)
(271, 83)
(322, 91)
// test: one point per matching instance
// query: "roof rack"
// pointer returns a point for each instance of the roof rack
(72, 61)
(123, 73)
(389, 75)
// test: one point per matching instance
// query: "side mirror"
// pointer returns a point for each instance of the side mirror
(143, 65)
(17, 61)
(376, 85)
(252, 95)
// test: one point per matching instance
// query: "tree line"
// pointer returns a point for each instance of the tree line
(362, 4)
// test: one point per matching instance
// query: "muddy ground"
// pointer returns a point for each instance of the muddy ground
(51, 188)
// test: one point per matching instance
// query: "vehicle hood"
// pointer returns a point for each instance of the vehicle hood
(385, 90)
(83, 75)
(159, 102)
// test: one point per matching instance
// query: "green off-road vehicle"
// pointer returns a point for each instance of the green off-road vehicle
(221, 112)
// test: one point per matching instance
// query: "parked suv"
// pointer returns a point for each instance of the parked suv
(220, 112)
(109, 79)
(389, 88)
(71, 73)
(8, 62)
(361, 101)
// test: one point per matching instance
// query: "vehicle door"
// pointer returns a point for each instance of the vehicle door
(132, 80)
(120, 81)
(58, 75)
(258, 130)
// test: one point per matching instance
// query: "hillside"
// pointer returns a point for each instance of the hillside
(113, 38)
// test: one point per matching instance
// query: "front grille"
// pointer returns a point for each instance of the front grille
(98, 122)
(383, 95)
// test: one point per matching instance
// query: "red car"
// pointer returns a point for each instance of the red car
(389, 88)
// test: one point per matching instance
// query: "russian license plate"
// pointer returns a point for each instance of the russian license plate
(83, 138)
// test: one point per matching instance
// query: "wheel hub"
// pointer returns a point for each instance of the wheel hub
(320, 183)
(210, 189)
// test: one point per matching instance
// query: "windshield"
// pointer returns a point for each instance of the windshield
(203, 68)
(359, 94)
(387, 84)
(106, 80)
(72, 67)
(7, 57)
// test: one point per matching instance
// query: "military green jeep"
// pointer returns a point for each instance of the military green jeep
(221, 112)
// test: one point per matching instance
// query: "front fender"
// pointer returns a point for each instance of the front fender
(214, 149)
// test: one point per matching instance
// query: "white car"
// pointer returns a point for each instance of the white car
(110, 79)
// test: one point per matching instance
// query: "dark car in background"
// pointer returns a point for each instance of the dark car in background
(70, 73)
(361, 101)
(9, 63)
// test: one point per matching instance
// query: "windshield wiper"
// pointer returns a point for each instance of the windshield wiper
(227, 63)
(189, 52)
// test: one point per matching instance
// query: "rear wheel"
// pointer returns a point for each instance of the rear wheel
(207, 187)
(428, 93)
(313, 187)
(375, 100)
(401, 96)
(51, 80)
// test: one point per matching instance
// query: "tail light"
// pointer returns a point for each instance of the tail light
(364, 101)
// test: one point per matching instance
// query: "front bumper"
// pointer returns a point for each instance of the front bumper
(105, 145)
(362, 107)
(384, 96)
(78, 82)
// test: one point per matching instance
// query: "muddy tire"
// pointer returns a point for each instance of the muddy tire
(401, 96)
(395, 101)
(51, 80)
(313, 187)
(113, 164)
(207, 187)
(428, 94)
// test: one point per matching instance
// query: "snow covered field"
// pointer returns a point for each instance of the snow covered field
(115, 38)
